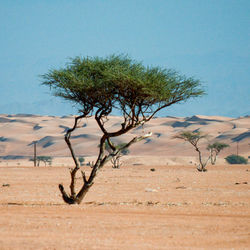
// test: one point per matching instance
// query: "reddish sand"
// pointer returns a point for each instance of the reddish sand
(173, 207)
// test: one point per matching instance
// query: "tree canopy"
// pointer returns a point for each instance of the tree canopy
(191, 136)
(217, 147)
(103, 84)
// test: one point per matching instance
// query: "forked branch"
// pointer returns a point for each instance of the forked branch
(101, 161)
(70, 198)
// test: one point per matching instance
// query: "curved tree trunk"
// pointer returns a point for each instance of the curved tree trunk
(202, 164)
(76, 198)
(213, 157)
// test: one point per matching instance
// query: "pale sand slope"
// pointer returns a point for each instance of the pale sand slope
(17, 132)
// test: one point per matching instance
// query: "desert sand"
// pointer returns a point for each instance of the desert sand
(156, 200)
(173, 207)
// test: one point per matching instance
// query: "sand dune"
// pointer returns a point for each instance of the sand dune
(18, 133)
(242, 136)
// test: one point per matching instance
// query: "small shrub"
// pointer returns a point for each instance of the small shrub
(236, 159)
(81, 160)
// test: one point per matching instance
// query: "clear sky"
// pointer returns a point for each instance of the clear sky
(206, 39)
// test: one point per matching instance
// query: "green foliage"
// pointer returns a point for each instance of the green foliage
(81, 160)
(44, 159)
(191, 136)
(217, 146)
(236, 159)
(119, 82)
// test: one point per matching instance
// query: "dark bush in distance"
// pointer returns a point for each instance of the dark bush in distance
(236, 159)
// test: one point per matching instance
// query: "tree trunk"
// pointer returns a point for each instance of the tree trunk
(203, 165)
(35, 154)
(116, 161)
(213, 157)
(74, 198)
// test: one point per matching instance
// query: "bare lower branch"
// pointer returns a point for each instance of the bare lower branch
(65, 196)
(84, 178)
(117, 151)
(67, 138)
(111, 145)
(73, 171)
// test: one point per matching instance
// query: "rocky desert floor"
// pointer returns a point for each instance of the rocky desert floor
(173, 207)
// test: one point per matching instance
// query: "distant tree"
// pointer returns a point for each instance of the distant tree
(81, 160)
(100, 85)
(193, 138)
(215, 149)
(236, 159)
(44, 159)
(116, 158)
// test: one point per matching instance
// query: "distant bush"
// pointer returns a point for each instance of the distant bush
(236, 159)
(81, 160)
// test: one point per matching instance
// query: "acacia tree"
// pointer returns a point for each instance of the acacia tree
(100, 85)
(193, 138)
(215, 149)
(45, 159)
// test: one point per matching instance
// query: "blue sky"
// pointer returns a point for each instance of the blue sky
(209, 40)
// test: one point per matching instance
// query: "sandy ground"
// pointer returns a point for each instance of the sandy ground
(173, 207)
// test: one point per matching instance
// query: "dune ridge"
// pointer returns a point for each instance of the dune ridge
(18, 133)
